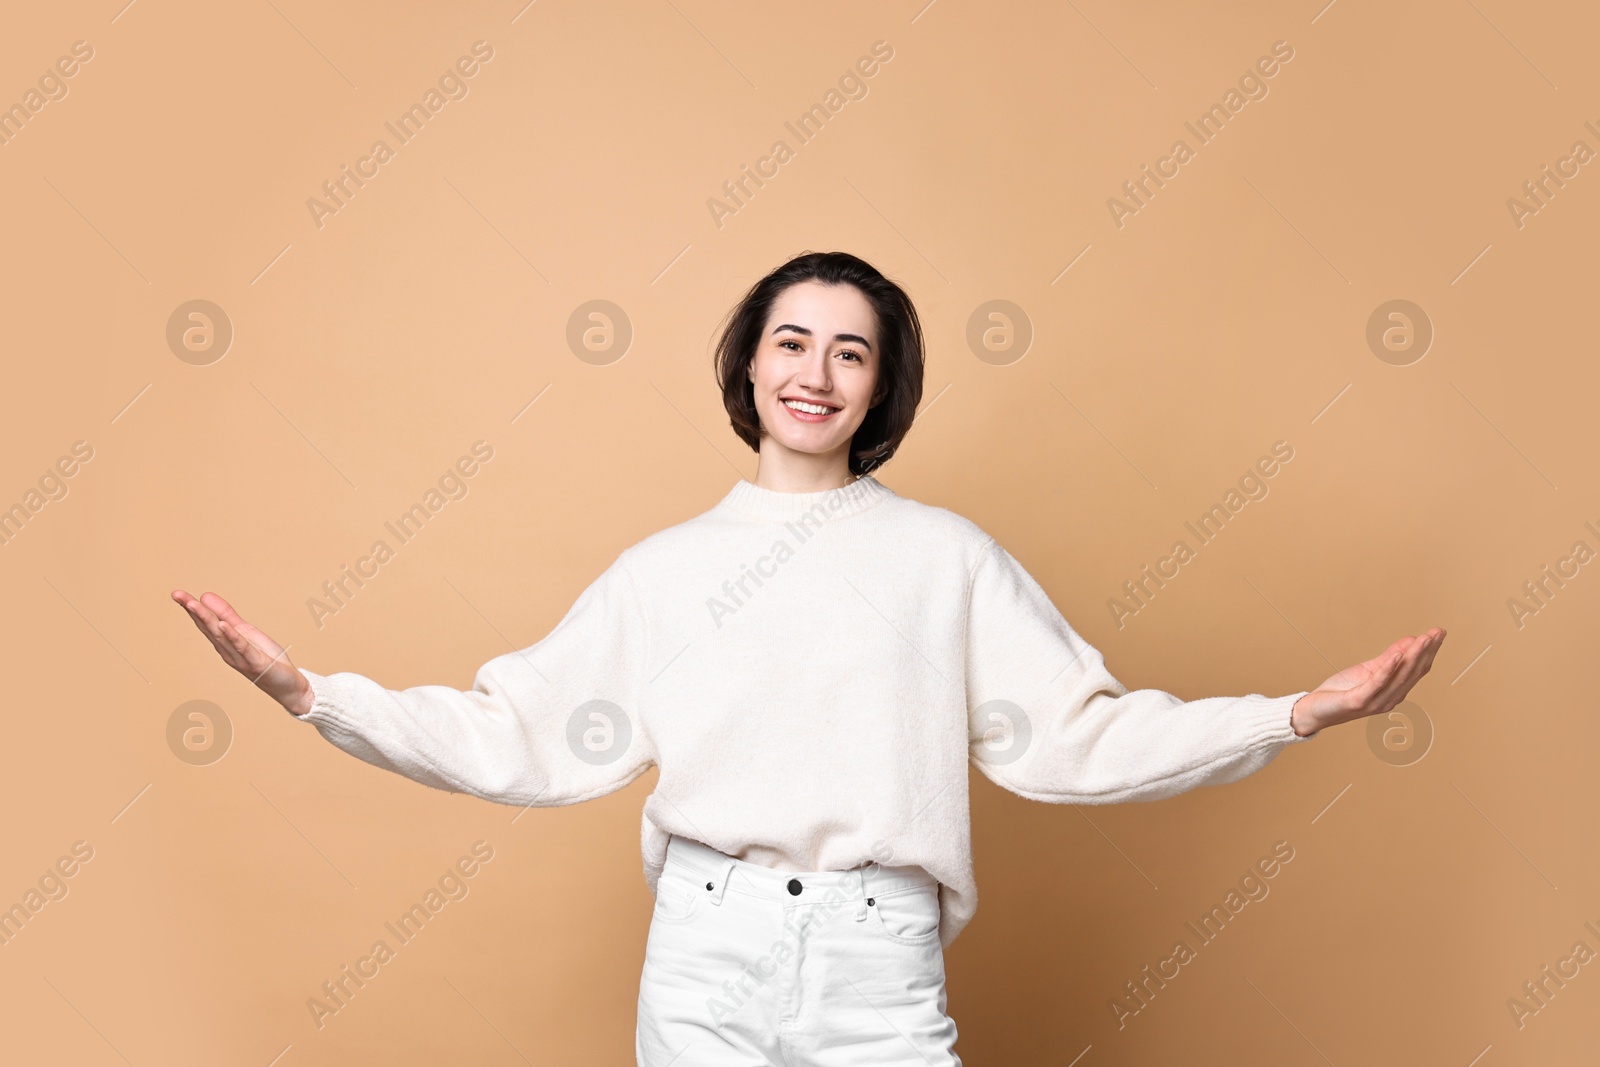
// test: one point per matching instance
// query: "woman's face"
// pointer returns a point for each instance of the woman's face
(819, 348)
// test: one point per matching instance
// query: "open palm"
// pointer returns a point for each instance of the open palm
(247, 649)
(1369, 688)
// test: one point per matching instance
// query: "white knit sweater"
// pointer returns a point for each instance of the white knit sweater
(811, 674)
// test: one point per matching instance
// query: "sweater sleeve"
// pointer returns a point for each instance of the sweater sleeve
(555, 723)
(1047, 721)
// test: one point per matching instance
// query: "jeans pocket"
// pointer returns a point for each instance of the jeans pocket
(678, 898)
(910, 916)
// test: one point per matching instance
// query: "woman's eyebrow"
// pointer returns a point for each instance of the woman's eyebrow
(857, 338)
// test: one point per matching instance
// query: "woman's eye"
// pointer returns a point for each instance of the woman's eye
(843, 352)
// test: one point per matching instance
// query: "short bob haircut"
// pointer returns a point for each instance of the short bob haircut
(900, 361)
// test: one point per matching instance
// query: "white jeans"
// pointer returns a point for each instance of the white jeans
(754, 967)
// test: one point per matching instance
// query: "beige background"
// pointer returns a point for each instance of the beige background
(368, 354)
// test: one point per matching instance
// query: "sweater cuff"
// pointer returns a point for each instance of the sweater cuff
(1284, 707)
(323, 711)
(1266, 721)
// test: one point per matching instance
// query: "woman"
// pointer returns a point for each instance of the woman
(810, 665)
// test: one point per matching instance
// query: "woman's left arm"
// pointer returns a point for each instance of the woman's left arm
(1048, 721)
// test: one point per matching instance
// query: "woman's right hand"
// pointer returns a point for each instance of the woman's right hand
(248, 650)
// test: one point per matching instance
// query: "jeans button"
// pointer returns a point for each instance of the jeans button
(794, 887)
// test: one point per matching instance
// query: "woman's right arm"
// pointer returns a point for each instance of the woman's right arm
(555, 723)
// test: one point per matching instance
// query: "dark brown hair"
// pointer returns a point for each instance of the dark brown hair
(900, 361)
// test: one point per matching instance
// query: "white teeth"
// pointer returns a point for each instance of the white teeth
(814, 409)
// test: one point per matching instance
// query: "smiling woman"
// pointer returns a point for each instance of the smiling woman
(821, 370)
(829, 720)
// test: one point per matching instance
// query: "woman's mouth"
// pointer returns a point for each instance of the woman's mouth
(806, 411)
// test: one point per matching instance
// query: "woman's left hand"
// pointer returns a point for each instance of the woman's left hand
(1369, 688)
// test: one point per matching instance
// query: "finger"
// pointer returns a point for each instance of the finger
(259, 659)
(207, 620)
(253, 634)
(1399, 650)
(223, 609)
(1383, 673)
(1404, 677)
(1424, 662)
(1361, 694)
(1428, 655)
(1393, 657)
(231, 635)
(1379, 662)
(211, 626)
(189, 608)
(1427, 648)
(198, 611)
(248, 660)
(241, 645)
(203, 618)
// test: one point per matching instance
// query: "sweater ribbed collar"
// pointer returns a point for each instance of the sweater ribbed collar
(746, 500)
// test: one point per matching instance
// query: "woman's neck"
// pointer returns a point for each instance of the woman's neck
(801, 472)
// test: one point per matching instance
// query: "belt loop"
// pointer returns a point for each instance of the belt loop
(721, 886)
(861, 902)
